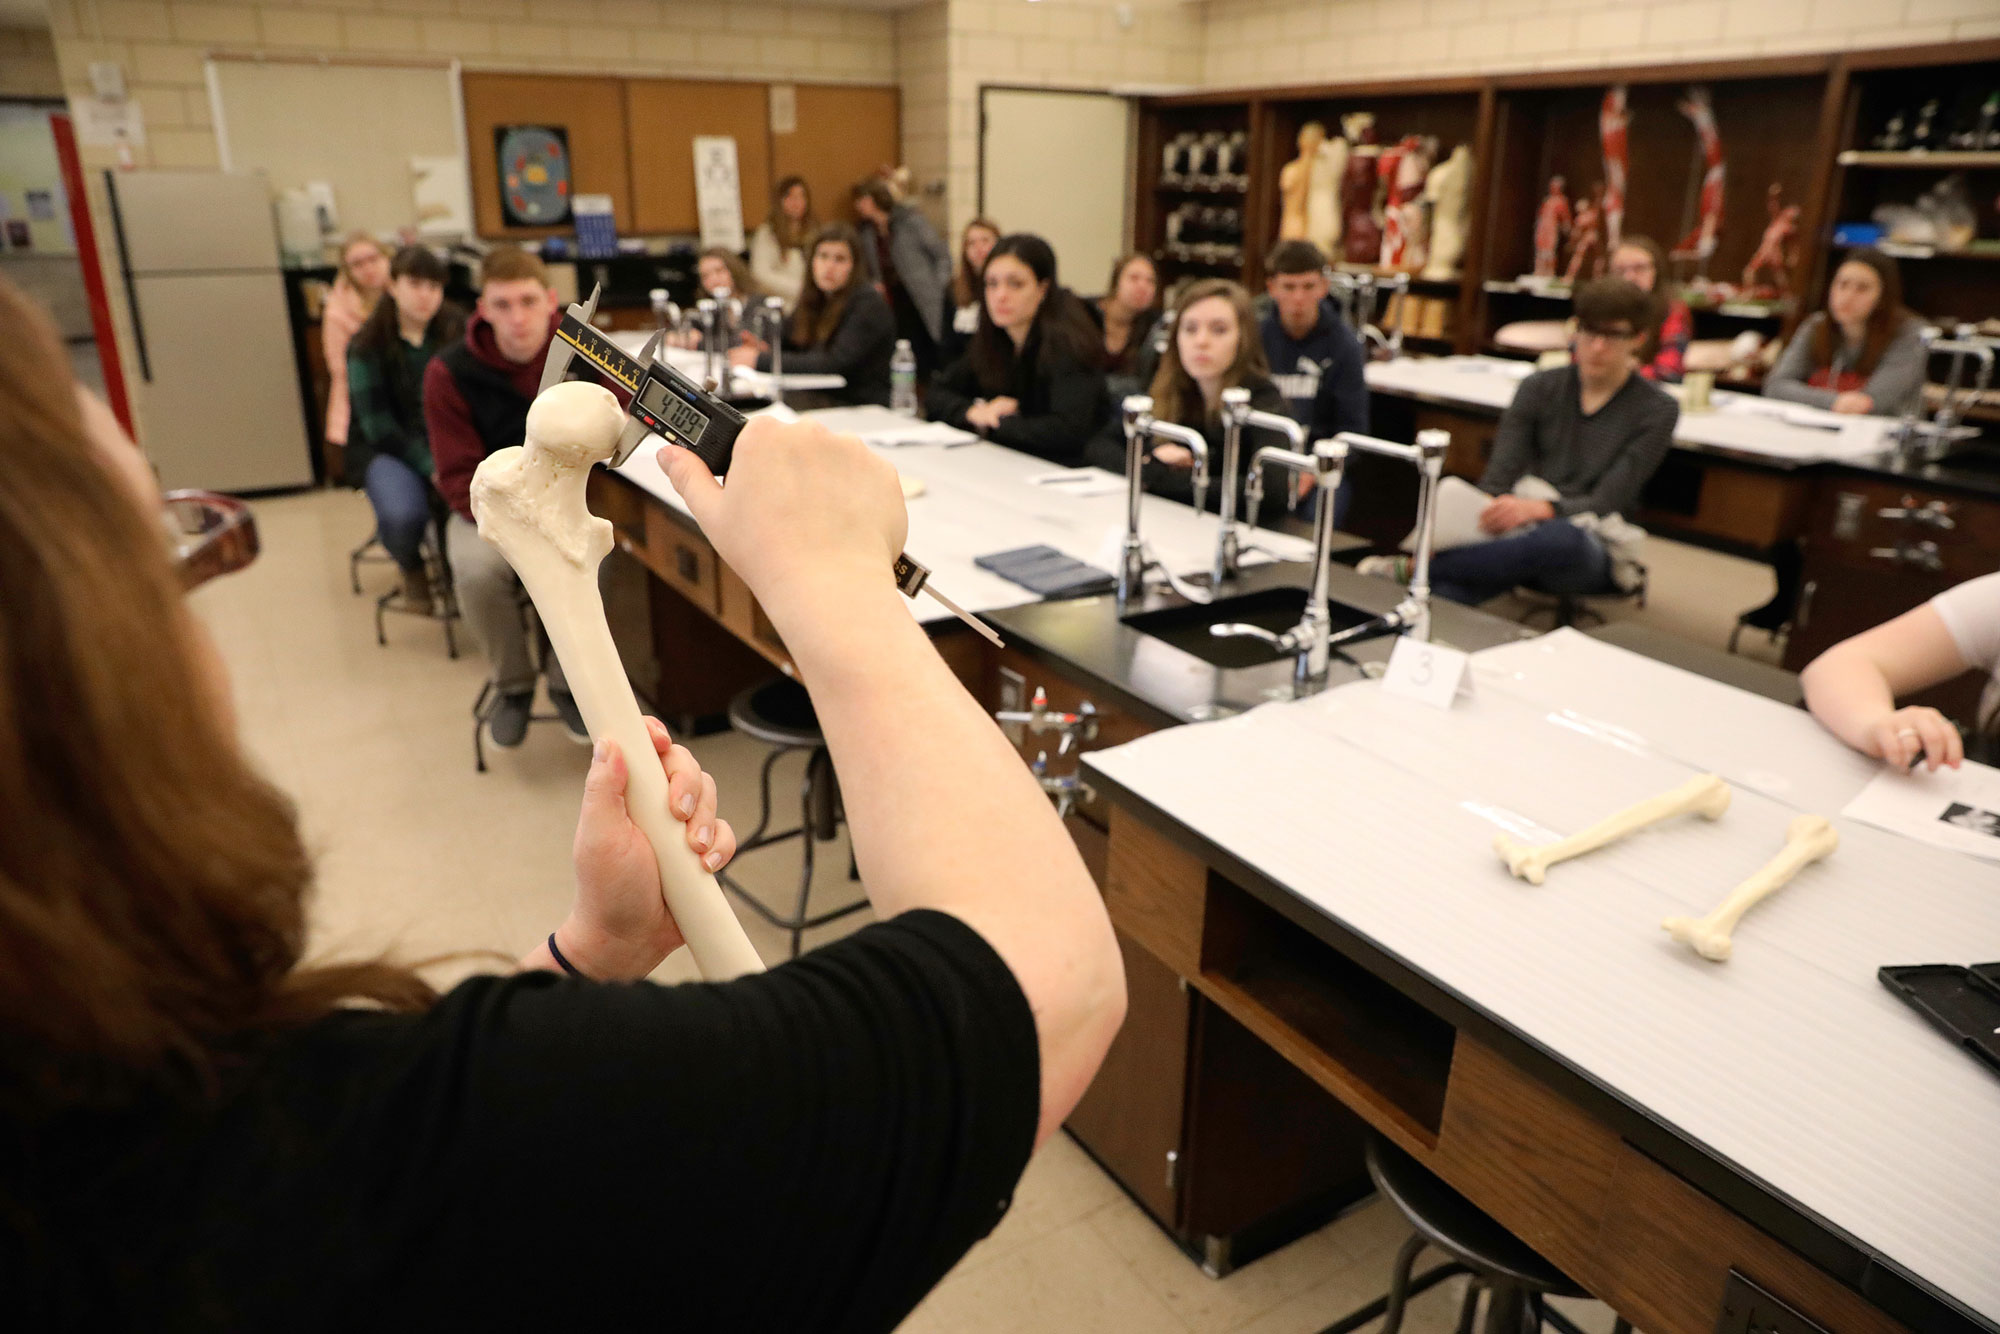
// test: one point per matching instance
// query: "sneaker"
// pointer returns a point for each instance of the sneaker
(1385, 567)
(508, 723)
(417, 591)
(572, 716)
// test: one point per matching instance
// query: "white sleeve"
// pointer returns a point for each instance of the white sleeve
(1971, 611)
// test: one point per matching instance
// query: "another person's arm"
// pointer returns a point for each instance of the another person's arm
(1076, 410)
(951, 393)
(1514, 445)
(1898, 380)
(1852, 688)
(1787, 379)
(339, 318)
(456, 448)
(812, 522)
(371, 423)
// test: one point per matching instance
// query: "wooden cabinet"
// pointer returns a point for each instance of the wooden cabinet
(1875, 548)
(663, 117)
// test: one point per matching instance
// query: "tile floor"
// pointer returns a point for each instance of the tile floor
(421, 856)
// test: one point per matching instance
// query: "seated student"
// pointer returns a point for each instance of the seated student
(967, 293)
(1852, 688)
(1315, 358)
(1031, 379)
(721, 276)
(388, 452)
(1640, 261)
(476, 397)
(362, 277)
(1213, 347)
(842, 326)
(209, 1129)
(1574, 448)
(1126, 313)
(1864, 353)
(778, 247)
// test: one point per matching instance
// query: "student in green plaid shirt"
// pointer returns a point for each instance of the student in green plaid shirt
(388, 453)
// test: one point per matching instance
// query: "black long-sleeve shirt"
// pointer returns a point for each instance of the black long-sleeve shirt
(1600, 462)
(1062, 402)
(810, 1148)
(859, 348)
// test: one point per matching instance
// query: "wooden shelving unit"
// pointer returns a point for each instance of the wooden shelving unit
(1801, 121)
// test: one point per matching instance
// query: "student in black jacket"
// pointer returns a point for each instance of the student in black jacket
(1032, 379)
(1214, 347)
(842, 325)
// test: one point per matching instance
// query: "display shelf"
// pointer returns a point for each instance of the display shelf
(1941, 159)
(1172, 187)
(1982, 250)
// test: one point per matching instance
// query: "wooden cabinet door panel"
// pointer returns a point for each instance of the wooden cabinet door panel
(665, 116)
(591, 109)
(844, 134)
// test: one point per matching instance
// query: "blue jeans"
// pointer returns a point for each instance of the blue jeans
(402, 502)
(1555, 557)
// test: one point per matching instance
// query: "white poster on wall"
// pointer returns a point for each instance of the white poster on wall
(105, 124)
(718, 192)
(442, 196)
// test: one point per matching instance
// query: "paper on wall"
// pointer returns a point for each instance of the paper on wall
(718, 192)
(1957, 809)
(442, 194)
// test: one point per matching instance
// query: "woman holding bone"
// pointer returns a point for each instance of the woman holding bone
(207, 1131)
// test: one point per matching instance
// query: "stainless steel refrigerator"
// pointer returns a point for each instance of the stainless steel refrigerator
(219, 404)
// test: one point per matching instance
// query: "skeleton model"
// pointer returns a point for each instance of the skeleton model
(1551, 226)
(1779, 250)
(1612, 122)
(1587, 240)
(1361, 232)
(1405, 232)
(1699, 243)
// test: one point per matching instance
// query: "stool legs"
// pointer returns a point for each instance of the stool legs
(819, 821)
(1399, 1285)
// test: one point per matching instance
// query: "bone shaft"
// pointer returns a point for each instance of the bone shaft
(1774, 875)
(583, 643)
(1630, 820)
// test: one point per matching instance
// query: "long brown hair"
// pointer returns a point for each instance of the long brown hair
(819, 313)
(346, 272)
(1176, 397)
(1063, 332)
(152, 884)
(744, 287)
(791, 235)
(966, 287)
(380, 338)
(1884, 321)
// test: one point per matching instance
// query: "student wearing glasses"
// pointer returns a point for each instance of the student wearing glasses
(1574, 448)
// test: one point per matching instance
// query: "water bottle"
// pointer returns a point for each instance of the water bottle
(903, 379)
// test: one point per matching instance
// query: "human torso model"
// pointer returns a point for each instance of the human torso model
(1295, 182)
(1361, 233)
(1586, 252)
(1323, 196)
(1445, 188)
(1551, 225)
(1405, 233)
(1777, 253)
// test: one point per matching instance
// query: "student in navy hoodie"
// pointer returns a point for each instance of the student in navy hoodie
(1315, 358)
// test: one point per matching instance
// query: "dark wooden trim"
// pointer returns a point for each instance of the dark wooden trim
(1213, 98)
(1478, 224)
(1319, 92)
(1939, 53)
(1836, 116)
(1761, 67)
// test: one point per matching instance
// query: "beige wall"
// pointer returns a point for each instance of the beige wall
(1261, 42)
(28, 63)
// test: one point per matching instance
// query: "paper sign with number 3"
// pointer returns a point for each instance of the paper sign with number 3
(1429, 673)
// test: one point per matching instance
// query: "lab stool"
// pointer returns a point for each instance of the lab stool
(370, 552)
(1514, 1277)
(489, 698)
(780, 714)
(1578, 609)
(444, 599)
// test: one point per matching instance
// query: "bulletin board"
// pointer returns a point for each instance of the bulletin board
(844, 135)
(592, 113)
(352, 124)
(1073, 199)
(664, 116)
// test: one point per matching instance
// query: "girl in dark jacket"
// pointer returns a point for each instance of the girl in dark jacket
(842, 325)
(1032, 379)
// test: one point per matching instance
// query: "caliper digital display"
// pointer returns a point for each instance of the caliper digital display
(664, 401)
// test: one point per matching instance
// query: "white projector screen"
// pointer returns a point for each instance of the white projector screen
(1058, 164)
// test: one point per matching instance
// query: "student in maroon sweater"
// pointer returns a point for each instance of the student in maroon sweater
(476, 397)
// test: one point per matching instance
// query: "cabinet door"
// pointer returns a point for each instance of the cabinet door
(1130, 1117)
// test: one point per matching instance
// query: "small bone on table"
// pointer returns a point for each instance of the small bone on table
(1807, 839)
(1705, 794)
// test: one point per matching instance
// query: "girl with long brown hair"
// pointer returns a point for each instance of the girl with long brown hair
(1864, 353)
(1032, 378)
(841, 326)
(968, 290)
(205, 1131)
(363, 276)
(778, 246)
(1127, 311)
(1215, 346)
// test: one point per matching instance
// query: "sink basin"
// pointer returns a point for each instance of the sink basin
(1273, 609)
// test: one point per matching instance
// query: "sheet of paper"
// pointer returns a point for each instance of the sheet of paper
(1460, 504)
(1957, 809)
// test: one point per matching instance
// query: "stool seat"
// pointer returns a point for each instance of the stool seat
(1455, 1225)
(778, 713)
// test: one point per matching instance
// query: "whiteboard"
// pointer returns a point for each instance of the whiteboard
(354, 125)
(1073, 197)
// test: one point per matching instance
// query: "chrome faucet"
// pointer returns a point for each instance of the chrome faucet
(773, 320)
(1360, 293)
(666, 315)
(1140, 428)
(1918, 440)
(714, 365)
(1237, 414)
(1311, 642)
